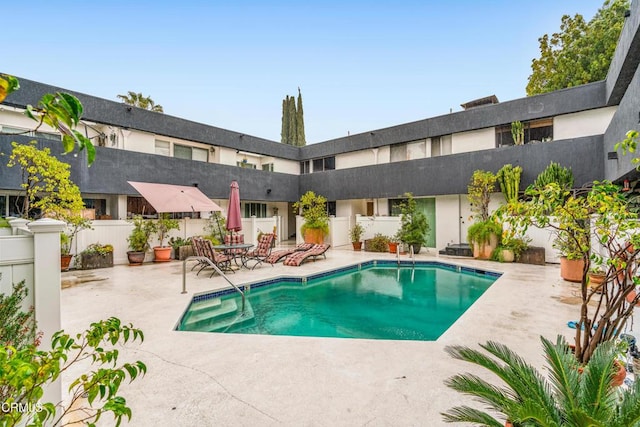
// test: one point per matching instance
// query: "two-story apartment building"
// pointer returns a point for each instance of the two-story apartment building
(362, 174)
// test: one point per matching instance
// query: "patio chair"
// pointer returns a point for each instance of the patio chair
(296, 259)
(262, 251)
(280, 254)
(205, 249)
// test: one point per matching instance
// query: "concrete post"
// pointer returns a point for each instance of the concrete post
(46, 279)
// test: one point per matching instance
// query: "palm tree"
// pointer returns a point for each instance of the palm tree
(570, 396)
(141, 101)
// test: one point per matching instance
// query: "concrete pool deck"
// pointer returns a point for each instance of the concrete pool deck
(211, 379)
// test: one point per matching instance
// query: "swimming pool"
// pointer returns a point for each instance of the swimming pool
(376, 300)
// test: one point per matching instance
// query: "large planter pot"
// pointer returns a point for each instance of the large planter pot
(65, 261)
(357, 246)
(508, 255)
(183, 252)
(596, 280)
(91, 261)
(393, 247)
(571, 269)
(485, 249)
(314, 235)
(632, 296)
(416, 247)
(135, 258)
(162, 253)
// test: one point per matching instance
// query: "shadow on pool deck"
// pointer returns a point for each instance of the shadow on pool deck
(225, 379)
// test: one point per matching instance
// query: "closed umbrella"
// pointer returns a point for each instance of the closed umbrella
(234, 217)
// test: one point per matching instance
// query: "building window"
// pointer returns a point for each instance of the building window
(331, 208)
(440, 145)
(399, 152)
(324, 164)
(100, 206)
(305, 167)
(267, 167)
(394, 206)
(259, 210)
(534, 131)
(245, 164)
(31, 133)
(190, 153)
(162, 148)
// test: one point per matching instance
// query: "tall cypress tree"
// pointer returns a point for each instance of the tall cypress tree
(300, 123)
(292, 120)
(284, 133)
(292, 131)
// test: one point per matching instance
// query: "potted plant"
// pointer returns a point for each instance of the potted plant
(378, 243)
(394, 241)
(355, 234)
(485, 232)
(600, 214)
(65, 252)
(75, 223)
(139, 239)
(163, 225)
(413, 224)
(181, 247)
(517, 132)
(96, 255)
(525, 395)
(313, 209)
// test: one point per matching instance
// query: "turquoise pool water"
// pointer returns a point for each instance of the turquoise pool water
(375, 302)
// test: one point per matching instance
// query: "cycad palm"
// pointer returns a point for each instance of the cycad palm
(566, 398)
(141, 101)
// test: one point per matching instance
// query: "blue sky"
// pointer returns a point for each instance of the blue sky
(360, 65)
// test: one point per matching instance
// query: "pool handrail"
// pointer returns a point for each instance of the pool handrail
(215, 267)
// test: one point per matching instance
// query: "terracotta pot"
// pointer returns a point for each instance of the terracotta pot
(393, 247)
(571, 269)
(135, 258)
(620, 375)
(357, 246)
(65, 261)
(162, 253)
(631, 296)
(314, 235)
(596, 280)
(484, 250)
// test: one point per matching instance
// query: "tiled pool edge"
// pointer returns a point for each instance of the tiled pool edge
(205, 295)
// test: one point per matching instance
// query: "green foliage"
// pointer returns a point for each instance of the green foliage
(554, 173)
(97, 248)
(569, 395)
(8, 84)
(27, 370)
(413, 223)
(163, 225)
(46, 182)
(18, 327)
(379, 243)
(356, 232)
(580, 52)
(61, 111)
(141, 101)
(177, 242)
(629, 145)
(314, 211)
(517, 132)
(141, 233)
(292, 131)
(4, 223)
(480, 232)
(599, 213)
(480, 188)
(216, 228)
(509, 179)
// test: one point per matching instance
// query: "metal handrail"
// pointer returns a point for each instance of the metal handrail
(398, 254)
(215, 267)
(412, 255)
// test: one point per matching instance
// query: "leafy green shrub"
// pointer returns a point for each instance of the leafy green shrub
(314, 211)
(18, 327)
(379, 243)
(480, 232)
(413, 226)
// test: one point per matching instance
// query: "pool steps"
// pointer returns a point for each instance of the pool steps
(215, 314)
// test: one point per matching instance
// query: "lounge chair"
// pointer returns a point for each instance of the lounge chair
(262, 251)
(280, 254)
(297, 258)
(204, 248)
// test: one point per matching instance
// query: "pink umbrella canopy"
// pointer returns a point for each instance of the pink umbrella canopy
(234, 216)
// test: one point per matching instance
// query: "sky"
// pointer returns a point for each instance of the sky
(361, 65)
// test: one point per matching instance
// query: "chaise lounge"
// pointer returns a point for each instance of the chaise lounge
(296, 259)
(280, 254)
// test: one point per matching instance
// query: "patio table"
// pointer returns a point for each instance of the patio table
(236, 251)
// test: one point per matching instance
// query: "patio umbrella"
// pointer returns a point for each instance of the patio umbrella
(234, 217)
